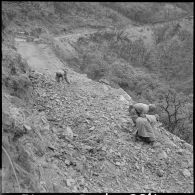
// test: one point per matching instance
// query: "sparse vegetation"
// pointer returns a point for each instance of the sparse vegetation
(161, 74)
(15, 74)
(148, 12)
(111, 54)
(176, 113)
(118, 59)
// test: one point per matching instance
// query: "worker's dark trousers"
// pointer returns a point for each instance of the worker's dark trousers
(145, 139)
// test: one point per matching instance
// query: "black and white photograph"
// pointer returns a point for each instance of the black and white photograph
(97, 97)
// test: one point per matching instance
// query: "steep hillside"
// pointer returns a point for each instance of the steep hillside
(81, 138)
(150, 12)
(145, 73)
(58, 17)
(78, 137)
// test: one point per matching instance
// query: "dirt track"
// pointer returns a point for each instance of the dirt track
(41, 58)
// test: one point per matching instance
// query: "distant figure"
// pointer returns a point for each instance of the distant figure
(61, 74)
(65, 76)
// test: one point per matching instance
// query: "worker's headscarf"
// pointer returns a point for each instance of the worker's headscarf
(152, 107)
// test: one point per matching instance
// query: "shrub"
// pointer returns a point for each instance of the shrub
(159, 33)
(176, 113)
(18, 85)
(15, 74)
(184, 35)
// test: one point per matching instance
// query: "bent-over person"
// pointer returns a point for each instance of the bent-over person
(140, 108)
(145, 131)
(61, 75)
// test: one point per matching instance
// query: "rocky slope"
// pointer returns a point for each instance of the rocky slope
(75, 138)
(79, 138)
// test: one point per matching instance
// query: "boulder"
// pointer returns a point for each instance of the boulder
(105, 88)
(69, 132)
(79, 166)
(57, 188)
(168, 150)
(186, 173)
(184, 164)
(118, 163)
(136, 165)
(180, 151)
(45, 129)
(160, 173)
(70, 182)
(27, 127)
(67, 162)
(92, 128)
(156, 145)
(54, 130)
(190, 163)
(162, 155)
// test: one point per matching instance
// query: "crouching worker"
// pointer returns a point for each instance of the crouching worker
(140, 108)
(61, 74)
(144, 130)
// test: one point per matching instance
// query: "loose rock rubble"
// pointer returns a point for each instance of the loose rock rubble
(89, 137)
(79, 138)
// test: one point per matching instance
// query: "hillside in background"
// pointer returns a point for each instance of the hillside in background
(148, 62)
(79, 137)
(150, 12)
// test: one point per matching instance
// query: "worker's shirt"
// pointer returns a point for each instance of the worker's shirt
(154, 123)
(144, 128)
(152, 119)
